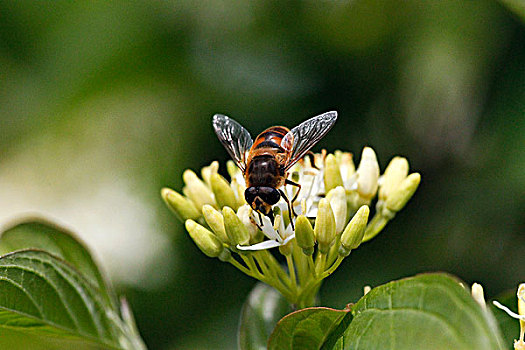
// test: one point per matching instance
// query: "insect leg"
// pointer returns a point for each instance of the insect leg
(312, 159)
(270, 216)
(290, 208)
(290, 182)
(252, 220)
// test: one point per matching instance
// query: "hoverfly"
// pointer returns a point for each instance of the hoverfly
(266, 161)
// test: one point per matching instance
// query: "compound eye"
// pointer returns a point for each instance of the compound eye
(250, 194)
(269, 194)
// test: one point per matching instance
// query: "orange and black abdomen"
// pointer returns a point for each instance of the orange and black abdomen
(264, 166)
(270, 138)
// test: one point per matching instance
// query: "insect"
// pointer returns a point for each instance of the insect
(266, 161)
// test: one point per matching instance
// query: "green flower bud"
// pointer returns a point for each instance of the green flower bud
(180, 205)
(376, 225)
(304, 234)
(235, 229)
(325, 226)
(224, 194)
(354, 231)
(286, 249)
(337, 198)
(207, 242)
(207, 171)
(396, 171)
(332, 174)
(367, 174)
(400, 196)
(225, 255)
(196, 190)
(215, 220)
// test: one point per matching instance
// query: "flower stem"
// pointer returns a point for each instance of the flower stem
(301, 264)
(271, 274)
(248, 260)
(291, 270)
(312, 266)
(276, 268)
(332, 268)
(320, 261)
(238, 265)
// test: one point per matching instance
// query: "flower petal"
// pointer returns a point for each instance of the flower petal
(260, 246)
(288, 239)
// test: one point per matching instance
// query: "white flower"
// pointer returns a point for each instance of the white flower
(312, 188)
(278, 235)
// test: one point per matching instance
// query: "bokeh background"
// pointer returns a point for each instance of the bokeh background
(103, 103)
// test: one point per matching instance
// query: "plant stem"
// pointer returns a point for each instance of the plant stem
(332, 268)
(291, 270)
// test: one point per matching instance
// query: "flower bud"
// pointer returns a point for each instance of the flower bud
(367, 174)
(238, 190)
(196, 190)
(215, 220)
(337, 198)
(205, 240)
(325, 226)
(400, 196)
(304, 234)
(233, 170)
(224, 194)
(354, 231)
(347, 166)
(207, 171)
(244, 213)
(395, 172)
(332, 174)
(376, 225)
(235, 229)
(180, 205)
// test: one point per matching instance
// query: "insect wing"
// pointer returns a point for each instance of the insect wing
(234, 137)
(304, 136)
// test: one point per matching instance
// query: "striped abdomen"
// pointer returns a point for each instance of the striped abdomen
(264, 166)
(270, 138)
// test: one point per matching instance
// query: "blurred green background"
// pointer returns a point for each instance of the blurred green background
(103, 103)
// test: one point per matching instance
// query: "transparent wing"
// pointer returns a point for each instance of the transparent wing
(304, 136)
(234, 137)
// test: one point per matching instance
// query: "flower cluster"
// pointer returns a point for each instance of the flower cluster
(333, 212)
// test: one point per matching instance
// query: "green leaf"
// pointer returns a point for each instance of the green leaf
(307, 328)
(40, 234)
(45, 296)
(510, 327)
(260, 313)
(431, 311)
